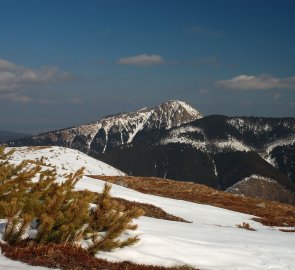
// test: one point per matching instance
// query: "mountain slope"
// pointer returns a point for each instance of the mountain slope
(283, 157)
(217, 151)
(182, 161)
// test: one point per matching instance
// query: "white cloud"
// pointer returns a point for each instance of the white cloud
(142, 60)
(15, 78)
(259, 82)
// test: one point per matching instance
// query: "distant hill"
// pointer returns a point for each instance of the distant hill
(9, 136)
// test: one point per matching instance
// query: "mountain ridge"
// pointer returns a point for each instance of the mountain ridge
(174, 140)
(125, 125)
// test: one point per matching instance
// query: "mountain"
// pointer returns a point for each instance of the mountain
(114, 130)
(217, 151)
(173, 140)
(6, 136)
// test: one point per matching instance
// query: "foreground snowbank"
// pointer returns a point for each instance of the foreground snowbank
(211, 241)
(65, 160)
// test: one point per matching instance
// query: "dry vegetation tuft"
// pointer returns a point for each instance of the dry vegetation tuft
(68, 257)
(269, 213)
(287, 230)
(245, 226)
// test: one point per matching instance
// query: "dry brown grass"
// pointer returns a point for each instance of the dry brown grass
(34, 148)
(70, 258)
(268, 212)
(287, 230)
(150, 210)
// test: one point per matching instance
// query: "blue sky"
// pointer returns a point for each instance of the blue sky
(65, 62)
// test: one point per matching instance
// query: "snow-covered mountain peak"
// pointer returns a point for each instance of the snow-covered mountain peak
(117, 129)
(170, 108)
(172, 113)
(177, 105)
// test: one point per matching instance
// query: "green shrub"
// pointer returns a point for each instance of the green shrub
(113, 219)
(58, 212)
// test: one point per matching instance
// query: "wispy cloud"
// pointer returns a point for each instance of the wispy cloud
(202, 30)
(276, 96)
(45, 101)
(15, 78)
(258, 82)
(204, 91)
(15, 97)
(75, 101)
(142, 60)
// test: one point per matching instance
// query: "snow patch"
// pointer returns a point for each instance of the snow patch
(186, 129)
(139, 127)
(268, 149)
(215, 146)
(64, 160)
(266, 152)
(244, 125)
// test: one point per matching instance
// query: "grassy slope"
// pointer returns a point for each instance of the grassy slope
(268, 212)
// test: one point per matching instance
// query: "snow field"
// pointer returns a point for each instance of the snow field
(211, 241)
